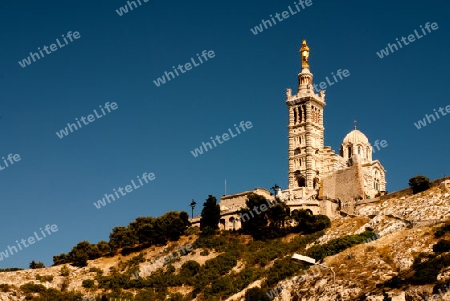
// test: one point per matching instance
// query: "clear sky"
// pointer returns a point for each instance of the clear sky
(154, 129)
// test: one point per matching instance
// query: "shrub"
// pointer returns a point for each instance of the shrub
(192, 230)
(10, 269)
(190, 268)
(32, 288)
(88, 283)
(442, 246)
(338, 245)
(427, 271)
(48, 278)
(65, 271)
(205, 252)
(36, 265)
(96, 270)
(65, 284)
(282, 269)
(219, 243)
(256, 294)
(419, 183)
(4, 288)
(441, 287)
(176, 297)
(442, 230)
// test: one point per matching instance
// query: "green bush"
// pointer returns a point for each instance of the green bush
(442, 246)
(256, 294)
(441, 287)
(220, 243)
(282, 269)
(142, 232)
(338, 245)
(96, 270)
(441, 231)
(419, 183)
(37, 265)
(11, 269)
(426, 272)
(64, 271)
(189, 268)
(32, 288)
(48, 278)
(176, 297)
(88, 283)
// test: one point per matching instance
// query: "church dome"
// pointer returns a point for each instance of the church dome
(356, 137)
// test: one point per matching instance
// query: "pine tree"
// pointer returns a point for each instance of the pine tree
(210, 216)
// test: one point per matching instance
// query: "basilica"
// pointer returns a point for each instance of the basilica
(319, 180)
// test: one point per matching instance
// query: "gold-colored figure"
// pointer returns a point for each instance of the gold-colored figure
(304, 51)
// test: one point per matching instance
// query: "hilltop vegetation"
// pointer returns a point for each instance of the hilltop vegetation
(377, 254)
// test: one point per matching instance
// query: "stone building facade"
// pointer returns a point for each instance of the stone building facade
(313, 167)
(319, 180)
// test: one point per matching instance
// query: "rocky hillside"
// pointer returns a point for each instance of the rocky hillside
(399, 263)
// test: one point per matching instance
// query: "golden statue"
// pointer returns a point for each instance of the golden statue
(304, 51)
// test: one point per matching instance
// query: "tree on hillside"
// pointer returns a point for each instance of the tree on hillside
(278, 215)
(37, 265)
(60, 259)
(419, 183)
(82, 252)
(120, 237)
(252, 222)
(170, 226)
(174, 224)
(144, 229)
(309, 223)
(103, 247)
(210, 216)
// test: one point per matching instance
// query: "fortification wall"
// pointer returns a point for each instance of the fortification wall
(346, 184)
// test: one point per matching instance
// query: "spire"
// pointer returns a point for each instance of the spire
(355, 123)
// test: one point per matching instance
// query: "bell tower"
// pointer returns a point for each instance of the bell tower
(306, 131)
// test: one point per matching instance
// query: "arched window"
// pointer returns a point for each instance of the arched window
(232, 221)
(376, 181)
(359, 150)
(301, 181)
(349, 151)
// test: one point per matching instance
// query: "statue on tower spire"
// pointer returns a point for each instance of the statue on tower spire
(304, 52)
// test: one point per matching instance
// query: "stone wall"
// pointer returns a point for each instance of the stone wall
(236, 201)
(346, 185)
(328, 208)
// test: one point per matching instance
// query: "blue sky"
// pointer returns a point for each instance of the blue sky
(154, 128)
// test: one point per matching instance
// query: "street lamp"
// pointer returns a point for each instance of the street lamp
(193, 203)
(313, 262)
(275, 189)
